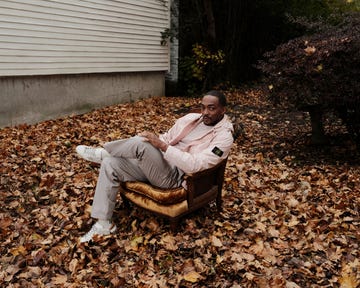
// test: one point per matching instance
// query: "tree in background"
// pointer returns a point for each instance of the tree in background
(241, 31)
(319, 72)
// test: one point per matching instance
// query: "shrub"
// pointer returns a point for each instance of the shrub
(319, 70)
(198, 71)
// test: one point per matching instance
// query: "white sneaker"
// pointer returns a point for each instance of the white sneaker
(97, 229)
(92, 154)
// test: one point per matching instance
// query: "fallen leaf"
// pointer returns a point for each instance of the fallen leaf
(192, 277)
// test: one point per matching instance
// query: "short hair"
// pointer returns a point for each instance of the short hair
(221, 96)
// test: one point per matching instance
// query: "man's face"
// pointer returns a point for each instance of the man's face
(211, 110)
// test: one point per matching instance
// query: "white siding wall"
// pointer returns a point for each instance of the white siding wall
(39, 37)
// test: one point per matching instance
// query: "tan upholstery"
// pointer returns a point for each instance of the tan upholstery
(202, 187)
(162, 196)
(171, 210)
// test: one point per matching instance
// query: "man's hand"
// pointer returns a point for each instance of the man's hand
(154, 140)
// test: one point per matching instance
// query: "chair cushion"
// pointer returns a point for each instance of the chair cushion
(162, 196)
(171, 210)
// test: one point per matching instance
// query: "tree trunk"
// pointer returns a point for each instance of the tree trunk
(317, 126)
(211, 29)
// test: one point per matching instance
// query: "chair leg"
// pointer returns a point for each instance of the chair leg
(126, 202)
(219, 202)
(174, 223)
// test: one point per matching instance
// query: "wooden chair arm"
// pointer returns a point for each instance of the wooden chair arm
(201, 182)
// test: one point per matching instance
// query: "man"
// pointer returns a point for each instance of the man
(196, 142)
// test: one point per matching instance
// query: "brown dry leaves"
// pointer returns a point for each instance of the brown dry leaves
(290, 218)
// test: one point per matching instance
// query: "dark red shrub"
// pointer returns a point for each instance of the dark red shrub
(321, 69)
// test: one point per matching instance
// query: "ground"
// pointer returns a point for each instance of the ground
(290, 213)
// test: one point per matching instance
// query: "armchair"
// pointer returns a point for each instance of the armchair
(202, 188)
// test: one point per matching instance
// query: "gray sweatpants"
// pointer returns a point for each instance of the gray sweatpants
(131, 160)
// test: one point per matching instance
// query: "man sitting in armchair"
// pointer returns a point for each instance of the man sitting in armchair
(196, 142)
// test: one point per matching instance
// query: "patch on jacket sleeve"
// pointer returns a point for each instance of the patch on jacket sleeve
(217, 151)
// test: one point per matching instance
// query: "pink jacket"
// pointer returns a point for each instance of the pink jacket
(205, 151)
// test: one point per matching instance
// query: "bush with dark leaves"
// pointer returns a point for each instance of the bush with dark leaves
(319, 70)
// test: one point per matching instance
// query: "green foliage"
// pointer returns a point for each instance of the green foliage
(198, 71)
(166, 36)
(205, 61)
(314, 8)
(186, 79)
(321, 69)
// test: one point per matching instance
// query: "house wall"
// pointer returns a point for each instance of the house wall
(84, 52)
(30, 99)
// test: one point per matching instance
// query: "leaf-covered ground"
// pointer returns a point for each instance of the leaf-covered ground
(290, 214)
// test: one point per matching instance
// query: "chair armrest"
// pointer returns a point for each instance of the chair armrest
(201, 182)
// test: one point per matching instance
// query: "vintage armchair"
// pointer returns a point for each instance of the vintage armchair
(202, 188)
